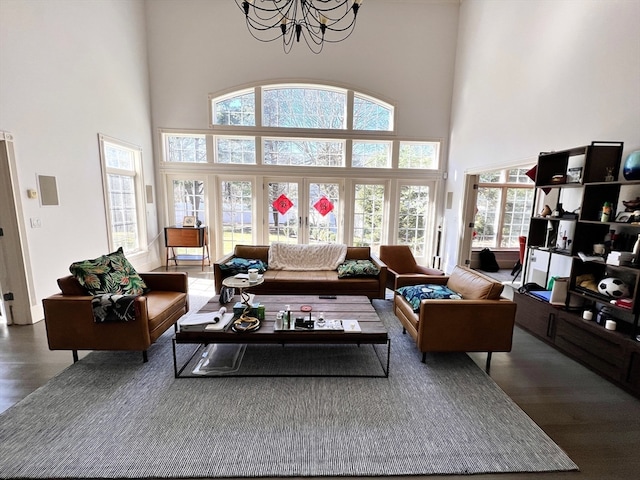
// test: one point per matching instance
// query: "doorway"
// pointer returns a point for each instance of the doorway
(301, 210)
(15, 297)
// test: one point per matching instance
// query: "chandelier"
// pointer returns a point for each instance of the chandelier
(315, 21)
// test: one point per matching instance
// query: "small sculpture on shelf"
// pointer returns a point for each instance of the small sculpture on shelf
(546, 211)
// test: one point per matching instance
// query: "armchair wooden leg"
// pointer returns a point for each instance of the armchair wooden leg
(424, 357)
(145, 358)
(75, 355)
(488, 364)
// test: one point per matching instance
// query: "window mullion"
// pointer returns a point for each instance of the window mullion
(258, 106)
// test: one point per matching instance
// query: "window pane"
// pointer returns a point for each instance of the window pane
(186, 148)
(304, 107)
(324, 205)
(241, 150)
(519, 175)
(188, 199)
(237, 214)
(283, 212)
(418, 155)
(516, 216)
(317, 153)
(487, 217)
(412, 219)
(490, 177)
(237, 110)
(368, 216)
(119, 157)
(122, 205)
(371, 115)
(371, 154)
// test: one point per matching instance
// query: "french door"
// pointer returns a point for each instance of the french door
(300, 210)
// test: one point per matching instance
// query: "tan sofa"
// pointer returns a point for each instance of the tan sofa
(482, 321)
(320, 282)
(70, 323)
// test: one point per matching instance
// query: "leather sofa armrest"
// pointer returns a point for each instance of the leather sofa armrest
(382, 276)
(70, 326)
(167, 281)
(377, 262)
(428, 270)
(466, 325)
(416, 279)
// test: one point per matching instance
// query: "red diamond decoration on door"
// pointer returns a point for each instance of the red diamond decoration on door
(282, 204)
(323, 206)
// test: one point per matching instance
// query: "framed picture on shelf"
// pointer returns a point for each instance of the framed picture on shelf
(189, 221)
(574, 175)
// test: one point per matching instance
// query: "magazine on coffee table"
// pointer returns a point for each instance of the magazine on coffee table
(206, 321)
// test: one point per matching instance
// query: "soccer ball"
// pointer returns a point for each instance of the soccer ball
(613, 287)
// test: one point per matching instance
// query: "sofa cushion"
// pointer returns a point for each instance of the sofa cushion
(110, 273)
(414, 294)
(357, 268)
(473, 285)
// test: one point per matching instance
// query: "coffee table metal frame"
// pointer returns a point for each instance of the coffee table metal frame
(373, 333)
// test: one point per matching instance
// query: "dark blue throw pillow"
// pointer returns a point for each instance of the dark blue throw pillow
(415, 293)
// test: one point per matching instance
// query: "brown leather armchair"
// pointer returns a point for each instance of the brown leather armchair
(70, 323)
(400, 261)
(482, 321)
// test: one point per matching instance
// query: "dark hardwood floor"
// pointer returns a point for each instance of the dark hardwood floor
(595, 422)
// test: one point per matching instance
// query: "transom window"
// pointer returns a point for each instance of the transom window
(302, 106)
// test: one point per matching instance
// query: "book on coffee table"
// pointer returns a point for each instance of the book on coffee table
(351, 326)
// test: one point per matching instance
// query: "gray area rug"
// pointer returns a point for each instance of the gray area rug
(111, 416)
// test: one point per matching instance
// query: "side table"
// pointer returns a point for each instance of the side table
(244, 323)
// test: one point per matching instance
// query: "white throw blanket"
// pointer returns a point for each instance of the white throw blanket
(325, 256)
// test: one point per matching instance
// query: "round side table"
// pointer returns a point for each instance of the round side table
(244, 323)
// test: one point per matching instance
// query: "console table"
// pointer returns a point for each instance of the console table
(187, 237)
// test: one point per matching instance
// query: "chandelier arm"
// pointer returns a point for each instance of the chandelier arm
(291, 19)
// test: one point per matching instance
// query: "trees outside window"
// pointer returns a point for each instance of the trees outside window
(504, 203)
(123, 188)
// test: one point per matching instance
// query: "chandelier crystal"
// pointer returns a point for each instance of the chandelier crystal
(315, 21)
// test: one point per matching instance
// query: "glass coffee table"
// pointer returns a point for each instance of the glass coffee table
(363, 327)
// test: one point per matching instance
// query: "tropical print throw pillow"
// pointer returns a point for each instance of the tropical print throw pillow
(414, 294)
(357, 268)
(110, 273)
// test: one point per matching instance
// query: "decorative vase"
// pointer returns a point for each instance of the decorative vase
(631, 169)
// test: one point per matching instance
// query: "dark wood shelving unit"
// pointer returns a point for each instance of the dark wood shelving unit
(615, 354)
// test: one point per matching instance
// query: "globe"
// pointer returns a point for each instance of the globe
(631, 169)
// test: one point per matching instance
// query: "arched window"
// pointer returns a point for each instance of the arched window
(306, 163)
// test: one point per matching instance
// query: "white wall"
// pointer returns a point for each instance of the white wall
(540, 75)
(401, 49)
(70, 69)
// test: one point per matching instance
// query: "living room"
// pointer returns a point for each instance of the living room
(111, 69)
(495, 81)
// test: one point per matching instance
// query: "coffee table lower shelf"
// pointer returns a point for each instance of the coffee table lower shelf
(181, 371)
